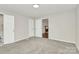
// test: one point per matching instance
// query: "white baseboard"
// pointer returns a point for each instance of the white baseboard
(63, 40)
(21, 39)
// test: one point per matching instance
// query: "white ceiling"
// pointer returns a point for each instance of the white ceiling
(44, 9)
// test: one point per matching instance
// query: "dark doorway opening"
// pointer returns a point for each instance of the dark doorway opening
(45, 28)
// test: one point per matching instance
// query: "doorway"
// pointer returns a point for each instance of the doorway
(45, 28)
(1, 29)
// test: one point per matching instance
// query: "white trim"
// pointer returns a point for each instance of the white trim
(2, 13)
(62, 40)
(21, 39)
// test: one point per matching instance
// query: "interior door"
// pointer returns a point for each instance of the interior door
(31, 27)
(38, 28)
(8, 29)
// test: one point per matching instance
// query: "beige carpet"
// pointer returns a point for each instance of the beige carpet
(39, 46)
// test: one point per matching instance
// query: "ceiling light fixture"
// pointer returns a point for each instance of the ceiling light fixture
(36, 6)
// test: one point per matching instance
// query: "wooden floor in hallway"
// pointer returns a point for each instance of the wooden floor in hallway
(35, 45)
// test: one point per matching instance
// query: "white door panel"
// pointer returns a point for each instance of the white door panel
(31, 28)
(8, 29)
(38, 28)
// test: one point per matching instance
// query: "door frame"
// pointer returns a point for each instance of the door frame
(48, 25)
(3, 28)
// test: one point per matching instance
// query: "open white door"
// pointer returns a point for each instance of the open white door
(8, 29)
(38, 28)
(31, 27)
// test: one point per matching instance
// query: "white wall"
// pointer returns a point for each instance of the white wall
(77, 28)
(62, 26)
(21, 25)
